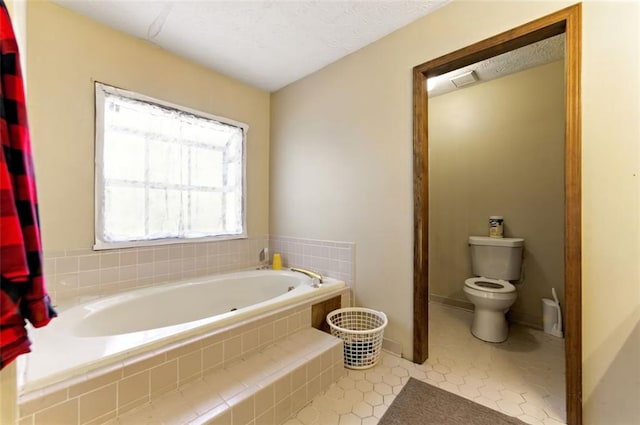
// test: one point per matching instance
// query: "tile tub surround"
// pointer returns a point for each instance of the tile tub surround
(134, 382)
(331, 258)
(104, 332)
(265, 389)
(74, 275)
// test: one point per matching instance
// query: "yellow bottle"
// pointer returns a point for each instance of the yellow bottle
(277, 261)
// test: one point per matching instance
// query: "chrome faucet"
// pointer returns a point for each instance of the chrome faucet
(312, 275)
(263, 257)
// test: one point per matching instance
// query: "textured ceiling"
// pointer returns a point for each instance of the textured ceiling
(540, 53)
(267, 43)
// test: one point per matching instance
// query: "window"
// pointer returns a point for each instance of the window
(164, 173)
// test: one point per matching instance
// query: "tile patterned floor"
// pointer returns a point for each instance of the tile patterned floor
(522, 377)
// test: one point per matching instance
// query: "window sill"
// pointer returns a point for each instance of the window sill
(101, 246)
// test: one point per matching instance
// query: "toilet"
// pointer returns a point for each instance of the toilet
(495, 261)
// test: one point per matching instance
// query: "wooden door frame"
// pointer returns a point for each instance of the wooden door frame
(566, 21)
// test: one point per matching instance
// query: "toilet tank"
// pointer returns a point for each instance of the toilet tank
(496, 258)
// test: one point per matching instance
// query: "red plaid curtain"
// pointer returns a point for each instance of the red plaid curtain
(22, 290)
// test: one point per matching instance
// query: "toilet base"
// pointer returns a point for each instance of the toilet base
(490, 325)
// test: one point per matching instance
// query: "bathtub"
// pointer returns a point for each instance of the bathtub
(108, 331)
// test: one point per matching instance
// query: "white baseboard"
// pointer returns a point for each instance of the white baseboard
(525, 319)
(465, 305)
(391, 346)
(514, 316)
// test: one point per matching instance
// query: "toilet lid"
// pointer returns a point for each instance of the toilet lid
(490, 285)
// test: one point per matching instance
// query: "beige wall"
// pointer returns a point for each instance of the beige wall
(67, 53)
(8, 395)
(341, 169)
(611, 213)
(497, 148)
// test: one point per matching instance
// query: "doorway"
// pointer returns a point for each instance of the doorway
(566, 21)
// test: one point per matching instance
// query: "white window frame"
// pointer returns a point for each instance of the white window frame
(100, 244)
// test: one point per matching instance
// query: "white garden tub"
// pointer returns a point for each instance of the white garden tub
(112, 329)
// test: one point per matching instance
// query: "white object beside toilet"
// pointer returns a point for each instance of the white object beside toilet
(551, 315)
(495, 261)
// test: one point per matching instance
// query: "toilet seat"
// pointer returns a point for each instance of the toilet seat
(484, 284)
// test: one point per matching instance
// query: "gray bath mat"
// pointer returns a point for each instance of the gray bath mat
(422, 404)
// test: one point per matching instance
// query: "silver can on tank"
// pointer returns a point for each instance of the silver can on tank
(496, 226)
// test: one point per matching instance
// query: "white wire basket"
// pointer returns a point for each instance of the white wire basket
(361, 330)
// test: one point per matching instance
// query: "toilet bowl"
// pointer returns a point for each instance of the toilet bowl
(497, 261)
(491, 299)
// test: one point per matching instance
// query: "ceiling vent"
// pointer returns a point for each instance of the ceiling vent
(465, 79)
